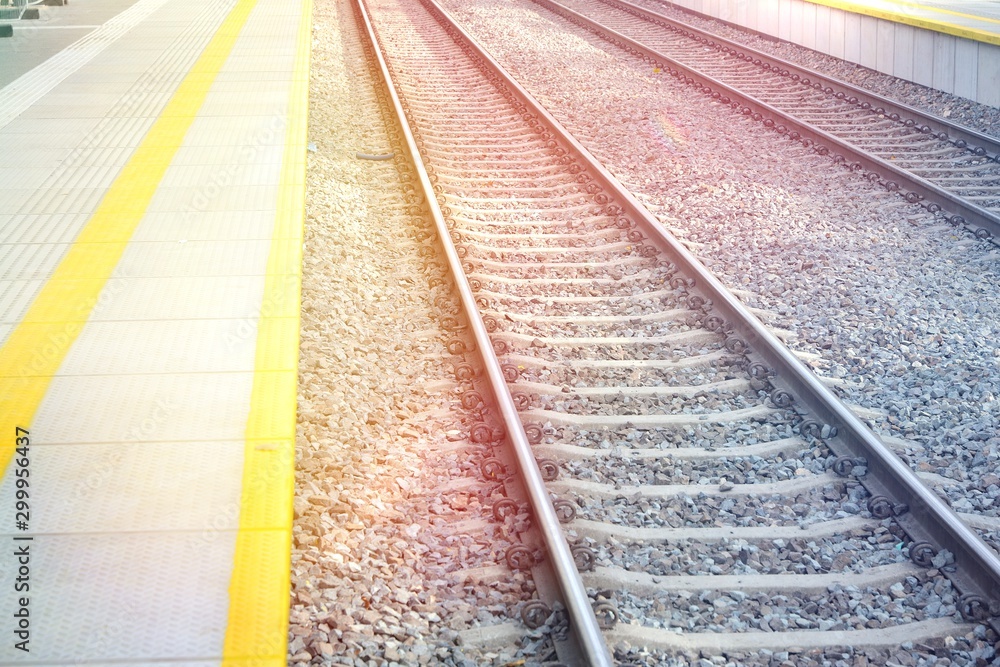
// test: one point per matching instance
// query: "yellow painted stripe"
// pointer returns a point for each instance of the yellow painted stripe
(935, 25)
(258, 591)
(35, 349)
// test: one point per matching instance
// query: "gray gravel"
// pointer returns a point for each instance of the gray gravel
(705, 402)
(843, 266)
(776, 426)
(970, 650)
(378, 566)
(829, 502)
(839, 608)
(624, 470)
(719, 370)
(744, 557)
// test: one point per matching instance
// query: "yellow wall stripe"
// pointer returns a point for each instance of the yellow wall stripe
(35, 349)
(257, 632)
(935, 25)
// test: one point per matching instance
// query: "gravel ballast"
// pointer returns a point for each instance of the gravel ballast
(383, 468)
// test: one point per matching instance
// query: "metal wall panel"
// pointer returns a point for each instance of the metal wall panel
(795, 21)
(885, 46)
(809, 25)
(988, 90)
(852, 37)
(966, 68)
(767, 17)
(784, 19)
(822, 29)
(923, 57)
(902, 51)
(943, 76)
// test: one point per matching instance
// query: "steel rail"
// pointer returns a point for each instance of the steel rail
(584, 622)
(933, 197)
(920, 511)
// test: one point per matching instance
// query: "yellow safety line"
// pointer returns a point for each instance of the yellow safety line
(257, 631)
(952, 12)
(935, 25)
(35, 349)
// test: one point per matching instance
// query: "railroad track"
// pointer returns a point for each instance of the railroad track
(694, 488)
(951, 170)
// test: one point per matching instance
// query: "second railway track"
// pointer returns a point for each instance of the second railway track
(949, 169)
(716, 497)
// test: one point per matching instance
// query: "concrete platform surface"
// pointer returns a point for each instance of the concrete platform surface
(152, 170)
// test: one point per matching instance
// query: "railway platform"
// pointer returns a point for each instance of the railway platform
(151, 210)
(949, 46)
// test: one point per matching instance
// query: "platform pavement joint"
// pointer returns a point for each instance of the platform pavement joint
(58, 343)
(227, 518)
(224, 176)
(275, 302)
(101, 471)
(108, 638)
(123, 108)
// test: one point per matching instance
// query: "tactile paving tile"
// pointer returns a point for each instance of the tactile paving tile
(208, 178)
(20, 94)
(229, 102)
(227, 154)
(239, 131)
(86, 158)
(207, 225)
(59, 228)
(132, 487)
(144, 427)
(15, 297)
(232, 198)
(63, 105)
(147, 347)
(24, 141)
(117, 597)
(202, 406)
(32, 177)
(164, 298)
(35, 125)
(28, 159)
(158, 663)
(29, 261)
(195, 258)
(62, 200)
